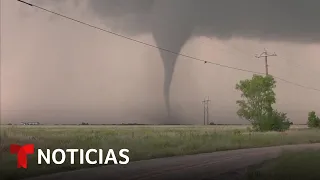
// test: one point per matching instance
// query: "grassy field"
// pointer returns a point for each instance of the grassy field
(144, 142)
(293, 166)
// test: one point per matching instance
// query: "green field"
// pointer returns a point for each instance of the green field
(144, 142)
(293, 166)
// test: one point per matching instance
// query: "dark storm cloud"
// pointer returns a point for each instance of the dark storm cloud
(173, 22)
(289, 20)
(285, 20)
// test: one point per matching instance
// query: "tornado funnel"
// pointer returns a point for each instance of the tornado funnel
(169, 62)
(171, 29)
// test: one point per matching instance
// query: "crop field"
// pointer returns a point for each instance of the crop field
(144, 142)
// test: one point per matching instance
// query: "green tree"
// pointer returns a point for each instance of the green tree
(256, 104)
(313, 120)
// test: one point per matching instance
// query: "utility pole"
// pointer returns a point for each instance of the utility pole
(265, 54)
(205, 102)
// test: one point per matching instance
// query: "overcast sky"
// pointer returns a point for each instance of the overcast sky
(57, 71)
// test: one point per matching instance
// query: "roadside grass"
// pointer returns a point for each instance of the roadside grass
(144, 142)
(293, 166)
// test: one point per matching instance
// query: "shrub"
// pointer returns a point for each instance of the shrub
(313, 120)
(274, 121)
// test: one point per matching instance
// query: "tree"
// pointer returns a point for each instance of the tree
(256, 104)
(313, 120)
(275, 121)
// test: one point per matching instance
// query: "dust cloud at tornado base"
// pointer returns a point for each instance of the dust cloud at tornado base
(71, 73)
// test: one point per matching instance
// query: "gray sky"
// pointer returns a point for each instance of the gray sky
(57, 71)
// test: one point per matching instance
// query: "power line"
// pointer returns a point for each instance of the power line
(205, 103)
(265, 54)
(160, 48)
(137, 41)
(295, 65)
(281, 79)
(296, 84)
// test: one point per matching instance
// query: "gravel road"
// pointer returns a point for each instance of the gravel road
(195, 167)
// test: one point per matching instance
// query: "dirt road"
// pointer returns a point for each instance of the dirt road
(195, 167)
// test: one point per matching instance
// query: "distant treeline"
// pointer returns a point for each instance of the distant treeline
(138, 124)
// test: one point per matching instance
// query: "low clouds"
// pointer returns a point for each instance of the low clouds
(285, 20)
(173, 22)
(63, 65)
